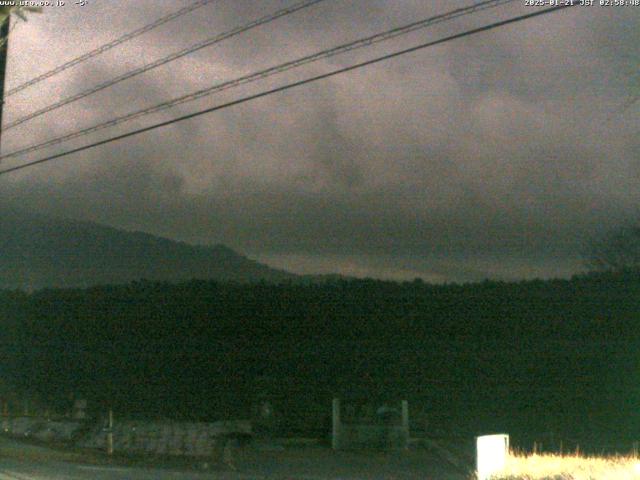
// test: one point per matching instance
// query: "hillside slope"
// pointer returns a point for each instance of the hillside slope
(38, 251)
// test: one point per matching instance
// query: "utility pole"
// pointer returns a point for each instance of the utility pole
(5, 18)
(4, 49)
(110, 433)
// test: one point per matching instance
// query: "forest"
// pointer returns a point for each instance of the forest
(555, 358)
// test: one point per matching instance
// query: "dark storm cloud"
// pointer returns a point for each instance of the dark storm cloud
(497, 155)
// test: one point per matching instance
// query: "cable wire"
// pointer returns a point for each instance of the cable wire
(360, 43)
(109, 46)
(289, 86)
(163, 61)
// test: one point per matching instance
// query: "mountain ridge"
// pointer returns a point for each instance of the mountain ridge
(38, 251)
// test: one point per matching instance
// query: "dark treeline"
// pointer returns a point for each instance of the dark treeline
(527, 358)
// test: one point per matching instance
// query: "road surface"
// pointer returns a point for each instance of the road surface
(20, 461)
(21, 470)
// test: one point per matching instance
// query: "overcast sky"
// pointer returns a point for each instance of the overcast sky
(497, 155)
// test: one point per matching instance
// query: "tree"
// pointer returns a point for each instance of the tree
(5, 11)
(617, 250)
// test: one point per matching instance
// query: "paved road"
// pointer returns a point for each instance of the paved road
(22, 470)
(20, 461)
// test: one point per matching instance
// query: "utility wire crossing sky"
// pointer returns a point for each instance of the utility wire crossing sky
(363, 42)
(108, 46)
(360, 43)
(163, 61)
(482, 158)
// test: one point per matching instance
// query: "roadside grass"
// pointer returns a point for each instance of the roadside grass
(569, 467)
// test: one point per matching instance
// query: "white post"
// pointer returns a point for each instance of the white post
(492, 451)
(335, 437)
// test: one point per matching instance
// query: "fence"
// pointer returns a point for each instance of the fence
(389, 432)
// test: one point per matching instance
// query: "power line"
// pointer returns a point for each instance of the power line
(289, 86)
(110, 45)
(360, 43)
(163, 61)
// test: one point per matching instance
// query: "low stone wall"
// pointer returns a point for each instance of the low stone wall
(42, 429)
(167, 438)
(195, 439)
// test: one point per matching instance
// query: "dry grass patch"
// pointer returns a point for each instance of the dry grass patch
(570, 467)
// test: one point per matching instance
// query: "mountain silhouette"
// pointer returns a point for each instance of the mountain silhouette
(37, 251)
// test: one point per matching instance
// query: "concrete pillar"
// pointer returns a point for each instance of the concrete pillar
(335, 434)
(110, 433)
(5, 415)
(405, 422)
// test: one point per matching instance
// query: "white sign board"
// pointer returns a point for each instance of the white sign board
(492, 451)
